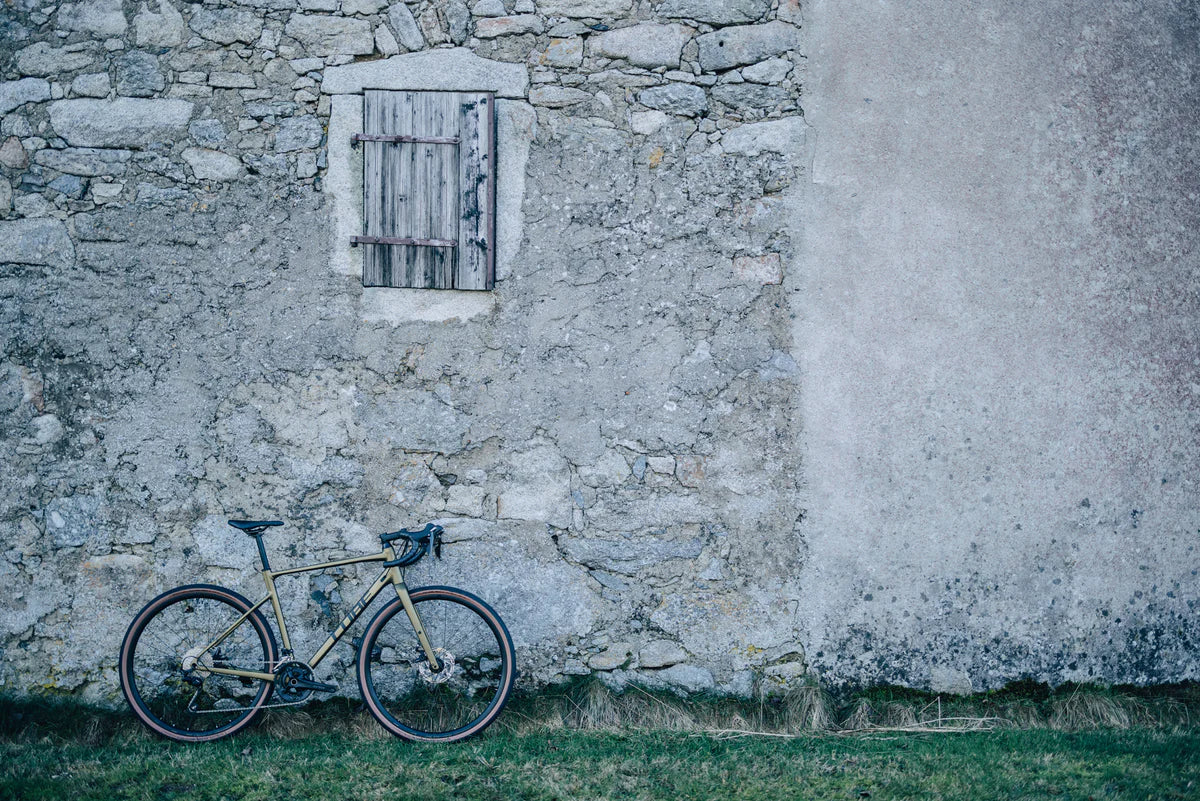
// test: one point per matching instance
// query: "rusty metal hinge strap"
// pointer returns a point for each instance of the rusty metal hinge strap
(420, 140)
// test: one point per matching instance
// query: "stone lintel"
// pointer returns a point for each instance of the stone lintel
(454, 69)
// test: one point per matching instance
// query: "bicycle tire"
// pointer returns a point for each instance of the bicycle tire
(151, 669)
(415, 704)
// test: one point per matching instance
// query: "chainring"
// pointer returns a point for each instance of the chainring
(286, 675)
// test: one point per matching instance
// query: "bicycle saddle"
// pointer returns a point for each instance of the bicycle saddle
(253, 527)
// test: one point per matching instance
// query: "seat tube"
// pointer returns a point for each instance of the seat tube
(269, 580)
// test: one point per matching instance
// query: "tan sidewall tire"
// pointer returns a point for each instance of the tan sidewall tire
(139, 623)
(467, 599)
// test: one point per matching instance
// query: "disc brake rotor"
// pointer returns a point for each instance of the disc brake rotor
(442, 676)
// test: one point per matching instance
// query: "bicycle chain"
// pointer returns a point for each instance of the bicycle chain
(192, 708)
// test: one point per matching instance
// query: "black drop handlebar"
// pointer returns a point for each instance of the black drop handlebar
(417, 544)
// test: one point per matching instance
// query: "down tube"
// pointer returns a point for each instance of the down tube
(351, 616)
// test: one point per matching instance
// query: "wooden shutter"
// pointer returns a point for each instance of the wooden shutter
(428, 189)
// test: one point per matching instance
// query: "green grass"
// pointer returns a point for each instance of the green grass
(552, 746)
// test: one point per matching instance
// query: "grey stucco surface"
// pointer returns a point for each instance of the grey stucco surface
(849, 343)
(997, 322)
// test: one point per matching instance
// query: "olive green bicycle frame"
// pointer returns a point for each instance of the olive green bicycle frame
(390, 575)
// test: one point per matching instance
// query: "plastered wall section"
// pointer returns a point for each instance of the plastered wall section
(998, 336)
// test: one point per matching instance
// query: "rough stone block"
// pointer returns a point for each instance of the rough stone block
(647, 122)
(743, 96)
(93, 84)
(41, 241)
(458, 20)
(121, 122)
(541, 504)
(564, 52)
(364, 7)
(298, 133)
(688, 678)
(226, 25)
(746, 44)
(212, 165)
(771, 71)
(405, 26)
(725, 12)
(14, 94)
(491, 27)
(106, 192)
(558, 96)
(97, 17)
(42, 59)
(330, 36)
(231, 80)
(660, 654)
(629, 555)
(777, 136)
(661, 464)
(675, 98)
(85, 161)
(164, 29)
(615, 657)
(138, 75)
(647, 45)
(489, 8)
(789, 11)
(603, 9)
(385, 42)
(609, 470)
(207, 132)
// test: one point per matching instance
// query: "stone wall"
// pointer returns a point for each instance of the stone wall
(608, 437)
(909, 395)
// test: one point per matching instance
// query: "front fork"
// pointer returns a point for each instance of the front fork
(411, 610)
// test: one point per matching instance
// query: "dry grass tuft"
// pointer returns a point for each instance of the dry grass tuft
(898, 715)
(860, 717)
(807, 708)
(1087, 709)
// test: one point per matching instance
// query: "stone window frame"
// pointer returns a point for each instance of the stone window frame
(451, 70)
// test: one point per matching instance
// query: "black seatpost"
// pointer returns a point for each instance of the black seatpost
(262, 552)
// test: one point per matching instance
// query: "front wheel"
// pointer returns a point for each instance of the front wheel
(166, 673)
(477, 667)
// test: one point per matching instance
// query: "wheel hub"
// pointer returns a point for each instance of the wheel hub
(442, 676)
(197, 661)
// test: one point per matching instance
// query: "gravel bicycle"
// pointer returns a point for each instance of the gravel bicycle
(199, 662)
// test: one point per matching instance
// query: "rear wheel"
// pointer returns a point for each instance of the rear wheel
(165, 673)
(462, 698)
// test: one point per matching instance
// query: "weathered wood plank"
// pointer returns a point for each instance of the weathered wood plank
(385, 187)
(474, 174)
